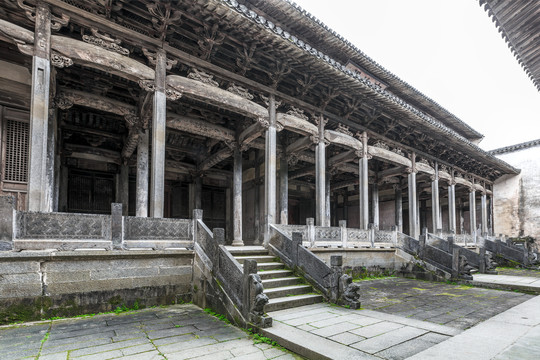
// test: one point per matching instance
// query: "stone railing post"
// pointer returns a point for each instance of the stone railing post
(117, 226)
(450, 243)
(371, 234)
(219, 239)
(197, 215)
(394, 230)
(343, 231)
(296, 242)
(7, 215)
(250, 267)
(455, 262)
(311, 231)
(336, 263)
(482, 264)
(422, 244)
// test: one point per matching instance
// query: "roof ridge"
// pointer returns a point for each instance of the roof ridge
(379, 66)
(520, 146)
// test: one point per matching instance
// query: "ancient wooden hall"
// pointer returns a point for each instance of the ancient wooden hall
(252, 110)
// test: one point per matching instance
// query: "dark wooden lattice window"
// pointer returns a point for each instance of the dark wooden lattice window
(90, 192)
(16, 149)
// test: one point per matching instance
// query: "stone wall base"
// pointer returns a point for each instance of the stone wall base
(41, 285)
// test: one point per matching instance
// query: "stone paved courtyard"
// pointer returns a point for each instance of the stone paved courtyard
(456, 306)
(175, 332)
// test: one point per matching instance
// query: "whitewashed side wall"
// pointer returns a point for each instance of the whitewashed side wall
(517, 198)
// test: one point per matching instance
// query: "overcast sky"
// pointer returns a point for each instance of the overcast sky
(449, 50)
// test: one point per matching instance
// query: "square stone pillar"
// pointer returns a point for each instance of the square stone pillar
(484, 214)
(270, 169)
(237, 198)
(452, 208)
(413, 216)
(375, 205)
(142, 176)
(157, 183)
(39, 111)
(472, 213)
(320, 176)
(398, 198)
(7, 216)
(284, 190)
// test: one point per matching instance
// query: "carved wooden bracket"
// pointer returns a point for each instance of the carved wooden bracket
(203, 77)
(152, 58)
(56, 22)
(240, 91)
(105, 41)
(60, 61)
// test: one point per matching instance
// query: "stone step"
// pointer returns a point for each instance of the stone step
(281, 282)
(247, 250)
(270, 266)
(257, 258)
(292, 301)
(284, 291)
(272, 274)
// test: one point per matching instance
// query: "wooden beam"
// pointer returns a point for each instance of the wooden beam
(343, 157)
(215, 159)
(299, 145)
(199, 127)
(253, 132)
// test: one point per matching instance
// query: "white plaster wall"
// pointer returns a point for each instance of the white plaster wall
(517, 198)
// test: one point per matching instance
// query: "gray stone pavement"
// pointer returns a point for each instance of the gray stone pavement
(457, 306)
(513, 334)
(173, 332)
(331, 332)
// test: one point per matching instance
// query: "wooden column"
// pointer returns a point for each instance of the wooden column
(39, 111)
(398, 198)
(142, 176)
(157, 183)
(237, 198)
(270, 169)
(284, 190)
(363, 183)
(320, 176)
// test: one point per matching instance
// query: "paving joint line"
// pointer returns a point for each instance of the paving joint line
(44, 340)
(151, 342)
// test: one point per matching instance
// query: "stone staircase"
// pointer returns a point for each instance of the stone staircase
(280, 285)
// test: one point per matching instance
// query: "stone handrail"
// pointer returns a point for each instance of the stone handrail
(329, 280)
(239, 287)
(340, 236)
(29, 230)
